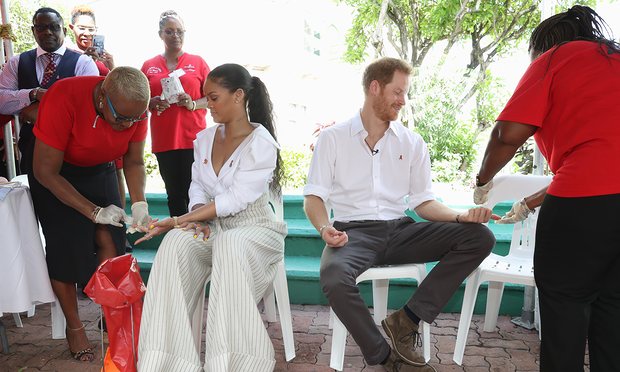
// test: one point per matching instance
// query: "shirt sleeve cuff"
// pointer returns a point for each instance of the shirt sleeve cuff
(223, 206)
(418, 199)
(316, 190)
(194, 201)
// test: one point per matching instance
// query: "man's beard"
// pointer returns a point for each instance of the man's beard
(383, 110)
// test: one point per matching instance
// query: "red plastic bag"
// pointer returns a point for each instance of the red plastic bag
(118, 288)
(108, 364)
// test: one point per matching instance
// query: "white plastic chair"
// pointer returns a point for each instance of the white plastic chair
(517, 267)
(277, 292)
(59, 323)
(380, 277)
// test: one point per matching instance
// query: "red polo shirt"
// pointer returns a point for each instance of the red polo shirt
(66, 122)
(176, 127)
(572, 93)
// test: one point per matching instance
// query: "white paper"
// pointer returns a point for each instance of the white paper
(171, 88)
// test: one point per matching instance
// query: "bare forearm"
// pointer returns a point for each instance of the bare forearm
(496, 156)
(135, 177)
(201, 103)
(316, 211)
(536, 199)
(199, 213)
(506, 138)
(135, 173)
(435, 211)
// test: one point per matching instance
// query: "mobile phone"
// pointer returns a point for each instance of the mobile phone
(98, 41)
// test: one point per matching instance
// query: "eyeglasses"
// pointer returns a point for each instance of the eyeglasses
(174, 32)
(86, 28)
(54, 27)
(123, 119)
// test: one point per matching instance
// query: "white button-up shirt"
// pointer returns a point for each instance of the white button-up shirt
(13, 100)
(243, 178)
(358, 185)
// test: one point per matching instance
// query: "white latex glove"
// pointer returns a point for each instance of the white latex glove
(481, 193)
(110, 215)
(140, 214)
(518, 212)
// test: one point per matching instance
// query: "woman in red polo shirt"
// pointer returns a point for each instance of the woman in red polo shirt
(85, 123)
(174, 125)
(568, 99)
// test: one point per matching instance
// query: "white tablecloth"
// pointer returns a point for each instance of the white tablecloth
(24, 281)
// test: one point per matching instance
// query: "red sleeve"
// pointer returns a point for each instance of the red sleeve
(103, 70)
(529, 102)
(54, 121)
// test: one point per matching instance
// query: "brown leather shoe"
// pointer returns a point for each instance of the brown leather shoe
(395, 364)
(405, 337)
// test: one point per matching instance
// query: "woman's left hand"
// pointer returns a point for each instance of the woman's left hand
(185, 101)
(198, 228)
(156, 228)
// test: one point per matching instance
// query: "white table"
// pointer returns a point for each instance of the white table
(24, 281)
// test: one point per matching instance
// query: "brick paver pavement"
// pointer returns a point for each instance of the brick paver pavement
(510, 348)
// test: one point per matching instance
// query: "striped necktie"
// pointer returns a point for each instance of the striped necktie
(50, 70)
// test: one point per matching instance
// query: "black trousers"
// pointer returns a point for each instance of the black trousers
(70, 244)
(25, 143)
(175, 167)
(577, 271)
(459, 248)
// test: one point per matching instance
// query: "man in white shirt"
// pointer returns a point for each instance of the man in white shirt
(26, 77)
(369, 170)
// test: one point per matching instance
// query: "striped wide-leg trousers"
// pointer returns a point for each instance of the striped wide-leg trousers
(240, 257)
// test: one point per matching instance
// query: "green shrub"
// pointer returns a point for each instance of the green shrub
(296, 163)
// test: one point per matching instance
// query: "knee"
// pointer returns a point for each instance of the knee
(229, 246)
(334, 278)
(482, 239)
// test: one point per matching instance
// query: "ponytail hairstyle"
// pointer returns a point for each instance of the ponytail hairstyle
(578, 23)
(232, 76)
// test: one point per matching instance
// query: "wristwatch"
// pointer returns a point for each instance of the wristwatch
(478, 183)
(33, 94)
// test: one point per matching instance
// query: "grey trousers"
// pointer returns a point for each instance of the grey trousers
(459, 248)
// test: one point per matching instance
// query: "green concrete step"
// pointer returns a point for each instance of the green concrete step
(303, 248)
(304, 288)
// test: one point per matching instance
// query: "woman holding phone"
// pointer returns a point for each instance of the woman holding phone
(175, 121)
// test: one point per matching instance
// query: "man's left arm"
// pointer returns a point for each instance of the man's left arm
(432, 210)
(422, 199)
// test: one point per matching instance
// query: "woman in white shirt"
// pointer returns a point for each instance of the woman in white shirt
(229, 235)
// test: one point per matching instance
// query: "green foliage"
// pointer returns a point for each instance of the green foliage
(295, 165)
(489, 29)
(20, 17)
(359, 34)
(450, 138)
(151, 166)
(524, 158)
